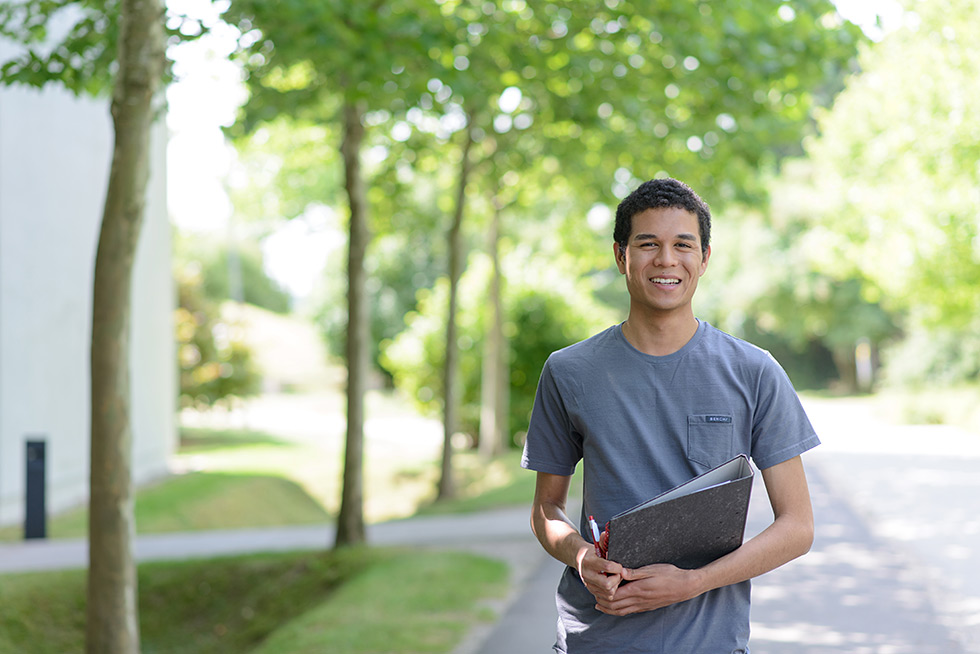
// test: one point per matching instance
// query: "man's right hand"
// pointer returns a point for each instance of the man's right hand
(601, 576)
(560, 537)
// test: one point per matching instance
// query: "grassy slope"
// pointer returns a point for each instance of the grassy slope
(351, 601)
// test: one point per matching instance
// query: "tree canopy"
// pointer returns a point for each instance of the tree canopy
(568, 106)
(896, 162)
(892, 194)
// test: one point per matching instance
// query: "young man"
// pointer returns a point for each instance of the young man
(647, 405)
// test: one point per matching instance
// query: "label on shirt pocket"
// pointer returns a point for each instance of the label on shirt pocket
(710, 438)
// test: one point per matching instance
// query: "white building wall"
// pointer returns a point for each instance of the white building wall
(55, 152)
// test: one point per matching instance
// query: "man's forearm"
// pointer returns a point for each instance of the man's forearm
(562, 540)
(787, 538)
(656, 586)
(557, 534)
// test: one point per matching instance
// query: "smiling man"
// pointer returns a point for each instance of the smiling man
(645, 406)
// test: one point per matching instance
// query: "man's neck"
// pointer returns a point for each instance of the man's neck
(662, 335)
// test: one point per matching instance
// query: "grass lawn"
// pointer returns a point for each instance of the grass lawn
(355, 601)
(487, 485)
(351, 601)
(203, 500)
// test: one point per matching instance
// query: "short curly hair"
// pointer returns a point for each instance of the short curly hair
(661, 193)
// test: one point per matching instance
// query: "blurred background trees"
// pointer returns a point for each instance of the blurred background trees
(559, 111)
(803, 134)
(463, 158)
(477, 150)
(216, 365)
(842, 177)
(895, 168)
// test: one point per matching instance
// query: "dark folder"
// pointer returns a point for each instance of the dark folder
(690, 525)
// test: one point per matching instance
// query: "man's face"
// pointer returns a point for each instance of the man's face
(662, 260)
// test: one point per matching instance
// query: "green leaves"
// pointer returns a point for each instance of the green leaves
(897, 159)
(72, 42)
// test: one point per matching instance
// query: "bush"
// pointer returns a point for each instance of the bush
(215, 365)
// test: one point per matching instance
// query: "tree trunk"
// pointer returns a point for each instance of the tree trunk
(846, 368)
(112, 625)
(350, 521)
(447, 486)
(493, 387)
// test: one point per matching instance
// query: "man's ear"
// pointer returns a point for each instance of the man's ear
(620, 253)
(704, 259)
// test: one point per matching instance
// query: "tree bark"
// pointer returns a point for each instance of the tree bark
(493, 387)
(350, 521)
(457, 256)
(112, 625)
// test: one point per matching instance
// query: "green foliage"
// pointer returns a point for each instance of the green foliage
(895, 166)
(934, 357)
(215, 365)
(541, 319)
(805, 312)
(711, 93)
(73, 42)
(209, 257)
(257, 288)
(401, 262)
(416, 356)
(83, 57)
(570, 105)
(285, 166)
(300, 56)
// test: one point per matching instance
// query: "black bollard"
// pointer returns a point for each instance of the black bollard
(35, 515)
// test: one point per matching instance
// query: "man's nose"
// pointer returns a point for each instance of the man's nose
(665, 257)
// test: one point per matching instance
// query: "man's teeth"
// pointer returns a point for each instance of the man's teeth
(664, 280)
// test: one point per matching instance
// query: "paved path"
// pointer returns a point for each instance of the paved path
(895, 567)
(505, 525)
(853, 593)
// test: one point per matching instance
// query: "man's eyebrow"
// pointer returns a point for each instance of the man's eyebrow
(647, 237)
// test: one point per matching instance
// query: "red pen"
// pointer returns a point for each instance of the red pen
(595, 536)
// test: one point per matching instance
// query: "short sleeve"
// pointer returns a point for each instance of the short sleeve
(781, 429)
(552, 445)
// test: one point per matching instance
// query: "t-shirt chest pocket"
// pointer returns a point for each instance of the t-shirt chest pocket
(710, 438)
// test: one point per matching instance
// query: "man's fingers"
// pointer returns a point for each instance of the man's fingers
(632, 574)
(604, 586)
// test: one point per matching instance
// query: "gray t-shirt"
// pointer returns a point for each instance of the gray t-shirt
(641, 425)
